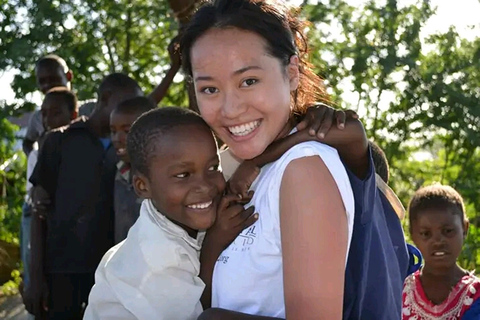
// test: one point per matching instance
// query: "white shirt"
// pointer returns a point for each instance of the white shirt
(248, 275)
(153, 274)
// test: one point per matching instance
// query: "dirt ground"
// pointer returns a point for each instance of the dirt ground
(11, 308)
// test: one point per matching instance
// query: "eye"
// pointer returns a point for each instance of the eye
(215, 167)
(209, 90)
(425, 234)
(448, 231)
(182, 175)
(249, 82)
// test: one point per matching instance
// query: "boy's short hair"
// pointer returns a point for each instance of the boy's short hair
(380, 161)
(436, 196)
(52, 59)
(117, 81)
(68, 97)
(137, 105)
(151, 126)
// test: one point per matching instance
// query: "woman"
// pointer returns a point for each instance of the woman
(246, 60)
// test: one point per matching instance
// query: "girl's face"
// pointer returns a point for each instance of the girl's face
(439, 235)
(243, 93)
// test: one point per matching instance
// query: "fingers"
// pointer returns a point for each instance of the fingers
(340, 115)
(244, 215)
(351, 114)
(326, 123)
(226, 201)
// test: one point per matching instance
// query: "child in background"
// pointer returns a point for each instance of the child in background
(126, 202)
(59, 107)
(153, 274)
(441, 289)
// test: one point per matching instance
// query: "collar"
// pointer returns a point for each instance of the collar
(168, 226)
(123, 170)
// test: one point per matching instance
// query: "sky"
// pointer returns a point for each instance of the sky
(462, 14)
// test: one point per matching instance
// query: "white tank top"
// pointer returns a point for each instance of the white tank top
(248, 275)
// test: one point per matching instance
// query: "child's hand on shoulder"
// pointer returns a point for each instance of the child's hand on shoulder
(318, 120)
(232, 218)
(242, 179)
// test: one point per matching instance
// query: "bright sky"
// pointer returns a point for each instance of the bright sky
(461, 14)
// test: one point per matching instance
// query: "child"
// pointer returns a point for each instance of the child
(59, 107)
(154, 273)
(72, 224)
(441, 289)
(126, 202)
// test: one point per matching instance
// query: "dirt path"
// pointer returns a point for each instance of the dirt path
(11, 308)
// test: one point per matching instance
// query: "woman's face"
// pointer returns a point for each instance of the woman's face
(243, 93)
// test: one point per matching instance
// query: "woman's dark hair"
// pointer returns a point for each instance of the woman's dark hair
(281, 29)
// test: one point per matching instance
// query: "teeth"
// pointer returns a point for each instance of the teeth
(200, 205)
(244, 129)
(439, 253)
(121, 150)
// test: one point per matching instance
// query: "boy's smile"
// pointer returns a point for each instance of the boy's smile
(185, 183)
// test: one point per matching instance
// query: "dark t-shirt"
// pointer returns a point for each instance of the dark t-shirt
(378, 259)
(78, 174)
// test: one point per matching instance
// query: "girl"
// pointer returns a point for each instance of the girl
(246, 60)
(441, 289)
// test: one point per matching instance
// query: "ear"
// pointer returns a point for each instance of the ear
(74, 115)
(69, 75)
(293, 70)
(141, 186)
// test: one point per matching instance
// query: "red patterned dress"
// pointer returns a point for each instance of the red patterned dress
(416, 305)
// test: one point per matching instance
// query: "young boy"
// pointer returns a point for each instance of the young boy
(73, 206)
(59, 107)
(126, 202)
(154, 273)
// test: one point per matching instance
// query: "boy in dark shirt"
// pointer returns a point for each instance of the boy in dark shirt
(126, 202)
(73, 206)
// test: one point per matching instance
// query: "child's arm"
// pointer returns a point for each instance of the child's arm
(232, 219)
(161, 90)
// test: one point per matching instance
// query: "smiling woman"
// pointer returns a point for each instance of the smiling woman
(247, 60)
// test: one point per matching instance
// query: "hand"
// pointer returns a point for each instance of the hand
(242, 179)
(319, 119)
(40, 202)
(174, 51)
(35, 298)
(232, 218)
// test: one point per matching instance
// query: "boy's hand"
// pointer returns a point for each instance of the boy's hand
(319, 119)
(243, 178)
(41, 202)
(174, 52)
(232, 218)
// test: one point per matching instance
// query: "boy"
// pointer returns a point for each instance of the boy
(50, 71)
(73, 196)
(126, 202)
(154, 273)
(59, 107)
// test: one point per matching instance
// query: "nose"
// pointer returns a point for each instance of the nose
(233, 105)
(438, 239)
(204, 186)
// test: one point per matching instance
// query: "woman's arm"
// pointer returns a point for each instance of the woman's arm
(314, 234)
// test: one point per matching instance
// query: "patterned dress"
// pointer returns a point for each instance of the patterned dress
(416, 305)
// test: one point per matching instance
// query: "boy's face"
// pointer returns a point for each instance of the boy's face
(55, 113)
(50, 76)
(185, 182)
(439, 235)
(113, 98)
(120, 124)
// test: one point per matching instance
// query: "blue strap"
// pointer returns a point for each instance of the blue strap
(105, 142)
(474, 312)
(413, 252)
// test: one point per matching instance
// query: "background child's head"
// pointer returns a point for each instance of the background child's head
(175, 163)
(52, 71)
(438, 224)
(59, 107)
(115, 88)
(122, 118)
(380, 161)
